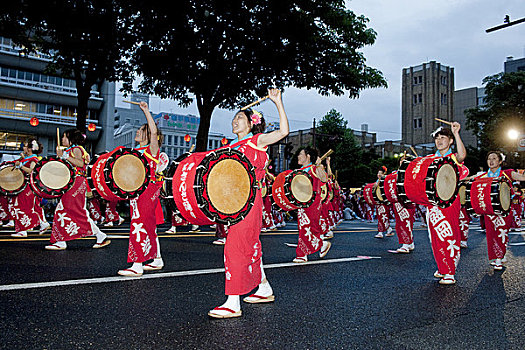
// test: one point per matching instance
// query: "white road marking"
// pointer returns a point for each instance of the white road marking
(9, 287)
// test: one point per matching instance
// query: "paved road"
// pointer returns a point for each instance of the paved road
(358, 297)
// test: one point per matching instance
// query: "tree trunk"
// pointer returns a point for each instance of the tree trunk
(205, 111)
(83, 94)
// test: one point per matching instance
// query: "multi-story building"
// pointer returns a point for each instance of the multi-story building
(463, 100)
(514, 65)
(281, 153)
(180, 131)
(28, 92)
(427, 93)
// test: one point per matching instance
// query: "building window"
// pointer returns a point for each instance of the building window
(415, 99)
(420, 79)
(443, 99)
(418, 123)
(175, 140)
(169, 140)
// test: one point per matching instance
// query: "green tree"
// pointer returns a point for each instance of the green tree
(227, 53)
(504, 108)
(334, 134)
(86, 39)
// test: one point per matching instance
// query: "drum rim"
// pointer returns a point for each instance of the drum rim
(382, 187)
(18, 190)
(288, 191)
(200, 186)
(39, 187)
(108, 175)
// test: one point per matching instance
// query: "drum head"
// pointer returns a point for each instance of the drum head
(324, 192)
(11, 178)
(446, 181)
(462, 193)
(55, 175)
(504, 195)
(228, 186)
(302, 188)
(378, 193)
(129, 173)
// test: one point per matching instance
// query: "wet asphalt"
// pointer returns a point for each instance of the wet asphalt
(360, 297)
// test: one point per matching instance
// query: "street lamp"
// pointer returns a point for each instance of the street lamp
(513, 134)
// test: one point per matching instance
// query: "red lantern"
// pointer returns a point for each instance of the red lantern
(92, 127)
(224, 140)
(187, 138)
(34, 121)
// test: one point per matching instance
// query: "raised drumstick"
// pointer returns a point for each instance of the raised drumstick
(413, 150)
(131, 102)
(58, 137)
(327, 154)
(255, 103)
(443, 121)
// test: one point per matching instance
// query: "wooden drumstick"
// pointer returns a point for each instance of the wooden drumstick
(192, 148)
(132, 102)
(443, 121)
(255, 103)
(413, 150)
(330, 151)
(58, 137)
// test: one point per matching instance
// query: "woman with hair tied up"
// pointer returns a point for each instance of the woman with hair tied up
(242, 250)
(497, 226)
(72, 219)
(25, 207)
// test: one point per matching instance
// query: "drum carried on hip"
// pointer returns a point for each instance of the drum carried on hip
(218, 186)
(12, 179)
(166, 191)
(52, 177)
(388, 187)
(121, 174)
(428, 181)
(293, 189)
(372, 194)
(488, 196)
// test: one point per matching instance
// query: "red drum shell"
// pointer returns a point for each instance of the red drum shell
(420, 181)
(194, 187)
(372, 194)
(488, 196)
(38, 184)
(283, 194)
(9, 173)
(102, 175)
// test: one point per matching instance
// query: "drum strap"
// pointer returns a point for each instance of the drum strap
(151, 157)
(252, 145)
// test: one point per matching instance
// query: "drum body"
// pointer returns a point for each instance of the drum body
(372, 194)
(166, 191)
(121, 174)
(52, 177)
(428, 181)
(218, 186)
(324, 192)
(293, 189)
(12, 180)
(488, 195)
(388, 187)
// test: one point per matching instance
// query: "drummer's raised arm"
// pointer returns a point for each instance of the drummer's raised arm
(154, 142)
(284, 129)
(460, 147)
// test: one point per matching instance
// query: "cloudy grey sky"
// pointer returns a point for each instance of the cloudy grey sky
(409, 32)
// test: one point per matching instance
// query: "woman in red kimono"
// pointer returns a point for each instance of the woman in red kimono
(143, 239)
(242, 251)
(25, 207)
(382, 212)
(309, 221)
(497, 226)
(72, 219)
(443, 224)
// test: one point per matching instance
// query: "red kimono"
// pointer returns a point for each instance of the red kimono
(143, 235)
(25, 207)
(72, 220)
(243, 251)
(309, 220)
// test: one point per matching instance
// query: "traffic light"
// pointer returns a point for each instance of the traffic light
(506, 19)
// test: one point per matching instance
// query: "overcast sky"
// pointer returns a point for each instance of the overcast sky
(409, 32)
